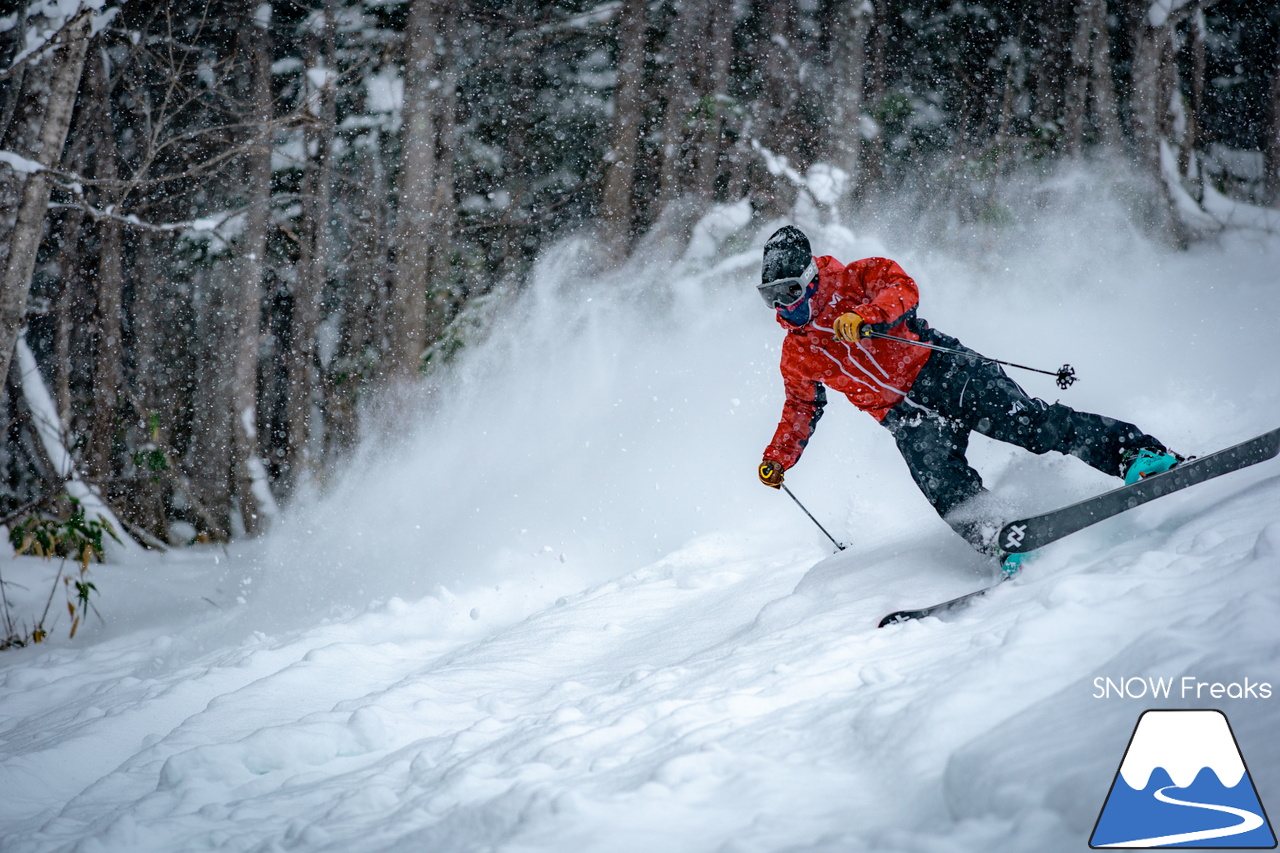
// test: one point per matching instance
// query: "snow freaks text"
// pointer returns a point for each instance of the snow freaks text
(1186, 687)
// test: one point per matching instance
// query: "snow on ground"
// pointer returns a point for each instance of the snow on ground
(551, 609)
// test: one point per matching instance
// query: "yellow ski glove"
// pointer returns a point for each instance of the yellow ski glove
(848, 327)
(771, 473)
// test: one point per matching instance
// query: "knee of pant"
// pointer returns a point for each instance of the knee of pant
(1048, 428)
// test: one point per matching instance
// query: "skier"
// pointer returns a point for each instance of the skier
(929, 401)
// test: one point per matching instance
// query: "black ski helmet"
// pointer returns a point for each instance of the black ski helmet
(786, 254)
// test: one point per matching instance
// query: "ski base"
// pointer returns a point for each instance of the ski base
(933, 610)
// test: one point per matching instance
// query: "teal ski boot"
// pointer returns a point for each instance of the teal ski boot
(1139, 464)
(1011, 564)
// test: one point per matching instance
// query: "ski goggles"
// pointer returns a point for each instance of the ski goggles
(785, 292)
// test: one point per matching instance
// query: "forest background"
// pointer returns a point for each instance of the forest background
(228, 230)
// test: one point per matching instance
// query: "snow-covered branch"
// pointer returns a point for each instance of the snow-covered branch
(203, 224)
(20, 164)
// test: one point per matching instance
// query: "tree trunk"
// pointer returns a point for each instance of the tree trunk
(1148, 107)
(214, 427)
(508, 250)
(444, 208)
(848, 81)
(108, 376)
(1191, 136)
(29, 225)
(313, 260)
(616, 210)
(876, 86)
(10, 93)
(364, 319)
(69, 284)
(1166, 83)
(777, 121)
(1052, 37)
(782, 79)
(682, 51)
(718, 49)
(415, 192)
(1271, 147)
(363, 299)
(250, 273)
(1075, 102)
(1102, 85)
(147, 498)
(20, 136)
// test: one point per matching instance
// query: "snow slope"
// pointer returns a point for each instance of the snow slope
(551, 609)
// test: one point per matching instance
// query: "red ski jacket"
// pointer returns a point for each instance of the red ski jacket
(873, 373)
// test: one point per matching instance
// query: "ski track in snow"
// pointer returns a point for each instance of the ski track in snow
(729, 692)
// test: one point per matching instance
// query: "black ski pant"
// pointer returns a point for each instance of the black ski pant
(958, 394)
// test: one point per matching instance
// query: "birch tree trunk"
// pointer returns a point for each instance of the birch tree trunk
(251, 269)
(616, 210)
(17, 136)
(15, 287)
(415, 191)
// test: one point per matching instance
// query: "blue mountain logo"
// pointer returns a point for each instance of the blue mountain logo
(1183, 783)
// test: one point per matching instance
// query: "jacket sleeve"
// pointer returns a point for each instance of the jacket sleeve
(892, 293)
(800, 413)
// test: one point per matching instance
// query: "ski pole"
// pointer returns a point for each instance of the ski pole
(1065, 375)
(811, 518)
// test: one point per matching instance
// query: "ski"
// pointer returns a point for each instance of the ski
(1027, 534)
(933, 610)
